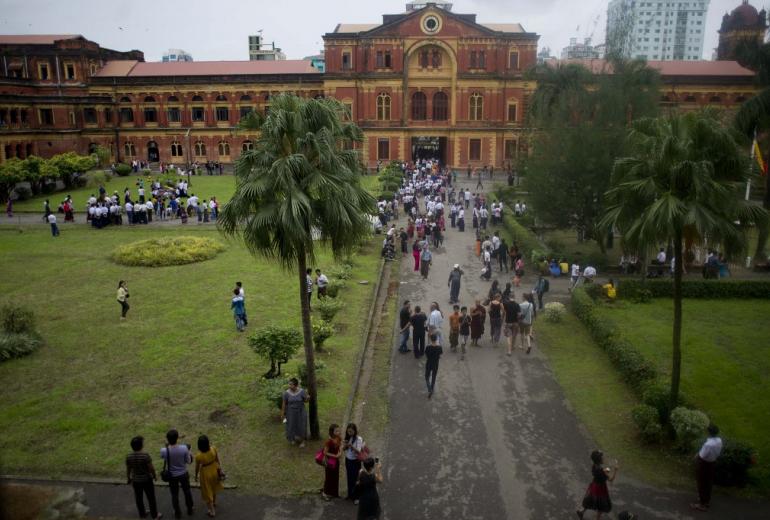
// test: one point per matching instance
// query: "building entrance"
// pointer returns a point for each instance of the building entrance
(426, 147)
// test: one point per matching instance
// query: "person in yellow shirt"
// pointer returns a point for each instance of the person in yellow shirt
(564, 266)
(609, 290)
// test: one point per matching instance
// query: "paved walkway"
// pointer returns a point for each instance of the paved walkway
(497, 440)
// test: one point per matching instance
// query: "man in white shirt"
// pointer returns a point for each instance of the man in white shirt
(322, 281)
(575, 274)
(705, 463)
(435, 321)
(589, 273)
(461, 218)
(129, 212)
(467, 195)
(54, 228)
(239, 288)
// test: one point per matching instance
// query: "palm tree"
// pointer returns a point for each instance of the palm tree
(301, 181)
(681, 182)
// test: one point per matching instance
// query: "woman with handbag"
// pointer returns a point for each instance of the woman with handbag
(332, 453)
(355, 452)
(209, 469)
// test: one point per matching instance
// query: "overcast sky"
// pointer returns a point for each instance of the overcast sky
(218, 30)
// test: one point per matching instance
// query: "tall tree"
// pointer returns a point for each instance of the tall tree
(579, 120)
(301, 181)
(681, 181)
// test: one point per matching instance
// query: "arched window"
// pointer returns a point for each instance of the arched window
(715, 99)
(149, 99)
(245, 97)
(383, 107)
(740, 99)
(125, 99)
(129, 149)
(176, 149)
(200, 148)
(220, 97)
(440, 106)
(476, 107)
(419, 106)
(246, 146)
(224, 148)
(173, 99)
(690, 99)
(197, 98)
(126, 115)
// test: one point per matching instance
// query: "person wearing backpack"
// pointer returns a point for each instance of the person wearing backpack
(541, 287)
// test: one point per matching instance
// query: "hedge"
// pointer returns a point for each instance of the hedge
(707, 289)
(638, 371)
(526, 240)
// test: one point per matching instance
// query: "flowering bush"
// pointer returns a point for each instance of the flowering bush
(555, 311)
(158, 252)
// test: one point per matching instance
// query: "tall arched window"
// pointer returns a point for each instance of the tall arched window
(224, 148)
(419, 106)
(129, 149)
(246, 146)
(476, 107)
(383, 107)
(149, 99)
(200, 148)
(176, 149)
(440, 106)
(220, 97)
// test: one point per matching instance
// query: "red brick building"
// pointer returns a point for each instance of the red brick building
(424, 82)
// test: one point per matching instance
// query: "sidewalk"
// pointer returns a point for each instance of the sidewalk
(497, 440)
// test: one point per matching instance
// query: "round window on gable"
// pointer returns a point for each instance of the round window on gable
(431, 24)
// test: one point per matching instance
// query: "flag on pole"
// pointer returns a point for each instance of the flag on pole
(757, 154)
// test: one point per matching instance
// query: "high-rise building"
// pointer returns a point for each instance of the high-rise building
(657, 30)
(176, 55)
(582, 51)
(261, 51)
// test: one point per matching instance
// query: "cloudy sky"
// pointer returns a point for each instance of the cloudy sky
(218, 30)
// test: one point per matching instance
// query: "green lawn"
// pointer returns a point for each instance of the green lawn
(603, 402)
(725, 361)
(204, 186)
(72, 407)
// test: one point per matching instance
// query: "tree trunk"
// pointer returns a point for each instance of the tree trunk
(676, 362)
(307, 334)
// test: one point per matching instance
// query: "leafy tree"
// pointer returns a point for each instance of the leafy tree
(277, 344)
(11, 173)
(69, 163)
(680, 181)
(390, 179)
(101, 155)
(37, 171)
(301, 181)
(580, 120)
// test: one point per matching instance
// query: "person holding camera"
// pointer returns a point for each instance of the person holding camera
(176, 457)
(366, 490)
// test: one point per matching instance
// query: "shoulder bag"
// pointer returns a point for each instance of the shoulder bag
(165, 473)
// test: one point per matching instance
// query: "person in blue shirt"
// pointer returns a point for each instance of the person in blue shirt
(239, 310)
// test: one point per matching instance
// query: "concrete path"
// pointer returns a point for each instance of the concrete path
(497, 440)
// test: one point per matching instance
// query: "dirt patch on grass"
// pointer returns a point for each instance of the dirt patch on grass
(24, 501)
(227, 417)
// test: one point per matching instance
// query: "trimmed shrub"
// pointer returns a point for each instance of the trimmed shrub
(707, 289)
(123, 170)
(334, 286)
(16, 319)
(322, 330)
(647, 420)
(277, 344)
(159, 252)
(320, 368)
(658, 396)
(341, 272)
(593, 290)
(328, 308)
(555, 311)
(733, 465)
(272, 390)
(689, 425)
(18, 345)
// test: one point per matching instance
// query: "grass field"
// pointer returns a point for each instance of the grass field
(725, 361)
(603, 402)
(72, 407)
